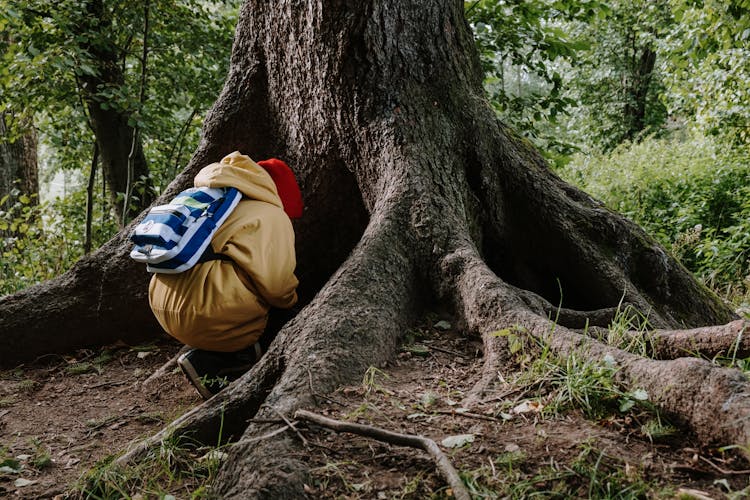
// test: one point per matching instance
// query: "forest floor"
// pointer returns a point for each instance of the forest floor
(63, 416)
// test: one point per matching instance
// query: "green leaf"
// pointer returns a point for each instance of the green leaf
(626, 405)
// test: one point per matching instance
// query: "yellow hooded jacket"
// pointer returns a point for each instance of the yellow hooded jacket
(222, 305)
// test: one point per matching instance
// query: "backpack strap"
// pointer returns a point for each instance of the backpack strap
(209, 255)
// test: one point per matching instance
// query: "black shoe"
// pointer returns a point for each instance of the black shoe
(211, 371)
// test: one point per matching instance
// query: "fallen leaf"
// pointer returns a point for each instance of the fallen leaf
(144, 354)
(458, 440)
(21, 482)
(693, 494)
(512, 448)
(214, 455)
(528, 406)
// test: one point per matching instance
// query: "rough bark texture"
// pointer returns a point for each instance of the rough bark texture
(18, 160)
(642, 68)
(415, 193)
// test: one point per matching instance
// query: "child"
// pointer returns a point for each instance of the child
(220, 306)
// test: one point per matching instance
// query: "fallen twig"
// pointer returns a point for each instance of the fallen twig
(289, 424)
(447, 351)
(443, 464)
(724, 471)
(112, 383)
(165, 368)
(467, 415)
(260, 438)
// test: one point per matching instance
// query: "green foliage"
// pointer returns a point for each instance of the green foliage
(521, 46)
(41, 241)
(52, 51)
(708, 63)
(570, 382)
(691, 193)
(615, 83)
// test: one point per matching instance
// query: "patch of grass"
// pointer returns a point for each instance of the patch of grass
(103, 358)
(26, 385)
(8, 401)
(371, 382)
(337, 471)
(606, 477)
(656, 429)
(177, 466)
(81, 368)
(592, 474)
(41, 459)
(631, 332)
(577, 382)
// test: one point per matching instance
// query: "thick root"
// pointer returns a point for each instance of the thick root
(709, 400)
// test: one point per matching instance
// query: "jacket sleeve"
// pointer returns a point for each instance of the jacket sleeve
(264, 249)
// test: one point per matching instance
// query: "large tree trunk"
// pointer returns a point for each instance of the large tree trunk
(415, 193)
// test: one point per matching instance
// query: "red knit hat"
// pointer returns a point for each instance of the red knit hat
(286, 186)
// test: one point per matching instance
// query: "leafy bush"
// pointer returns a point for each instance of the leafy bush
(691, 193)
(39, 242)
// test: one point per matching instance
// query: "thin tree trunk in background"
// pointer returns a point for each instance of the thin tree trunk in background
(90, 199)
(18, 160)
(637, 92)
(111, 126)
(136, 129)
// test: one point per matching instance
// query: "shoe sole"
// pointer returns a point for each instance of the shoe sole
(189, 370)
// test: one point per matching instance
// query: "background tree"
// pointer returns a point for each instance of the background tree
(79, 66)
(523, 47)
(708, 65)
(18, 151)
(617, 82)
(18, 162)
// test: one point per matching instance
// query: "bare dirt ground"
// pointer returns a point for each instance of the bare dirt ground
(61, 415)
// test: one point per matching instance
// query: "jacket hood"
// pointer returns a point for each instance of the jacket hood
(239, 171)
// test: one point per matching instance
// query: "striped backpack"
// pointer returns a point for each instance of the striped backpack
(172, 238)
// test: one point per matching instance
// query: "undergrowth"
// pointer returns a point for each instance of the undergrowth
(41, 241)
(691, 193)
(576, 382)
(178, 468)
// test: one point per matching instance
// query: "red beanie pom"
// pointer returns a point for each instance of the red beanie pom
(286, 185)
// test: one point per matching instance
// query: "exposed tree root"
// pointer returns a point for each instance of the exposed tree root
(711, 401)
(731, 340)
(164, 369)
(350, 325)
(443, 463)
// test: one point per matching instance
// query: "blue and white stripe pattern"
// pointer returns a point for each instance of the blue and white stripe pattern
(172, 238)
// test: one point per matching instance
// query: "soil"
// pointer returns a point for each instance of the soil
(61, 415)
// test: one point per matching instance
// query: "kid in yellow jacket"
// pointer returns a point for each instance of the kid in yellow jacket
(220, 307)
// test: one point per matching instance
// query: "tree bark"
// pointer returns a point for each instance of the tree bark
(415, 193)
(637, 90)
(18, 160)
